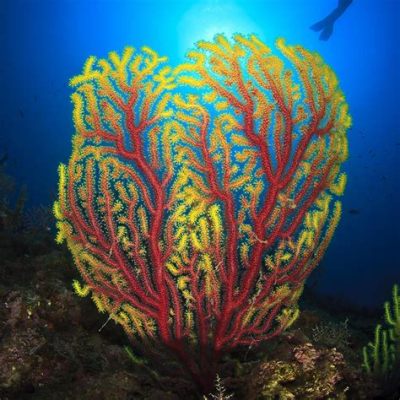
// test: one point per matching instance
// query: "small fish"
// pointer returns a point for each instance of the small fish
(326, 24)
(354, 211)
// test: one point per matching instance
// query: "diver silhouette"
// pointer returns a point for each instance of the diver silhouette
(326, 24)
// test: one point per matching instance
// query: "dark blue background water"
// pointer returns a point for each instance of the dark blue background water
(44, 43)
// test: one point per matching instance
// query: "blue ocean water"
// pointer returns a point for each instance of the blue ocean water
(44, 43)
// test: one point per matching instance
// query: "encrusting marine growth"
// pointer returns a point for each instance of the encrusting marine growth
(197, 200)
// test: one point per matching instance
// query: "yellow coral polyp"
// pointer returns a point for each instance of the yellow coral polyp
(196, 243)
(214, 213)
(204, 232)
(207, 263)
(286, 257)
(248, 316)
(182, 242)
(189, 319)
(99, 303)
(60, 237)
(117, 207)
(81, 291)
(187, 295)
(172, 268)
(182, 282)
(57, 210)
(290, 316)
(143, 221)
(195, 214)
(338, 187)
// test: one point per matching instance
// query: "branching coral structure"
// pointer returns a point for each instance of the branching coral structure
(382, 356)
(197, 200)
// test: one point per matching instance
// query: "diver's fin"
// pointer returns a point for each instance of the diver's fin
(319, 25)
(327, 32)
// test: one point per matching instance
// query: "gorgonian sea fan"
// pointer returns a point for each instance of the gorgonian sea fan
(197, 200)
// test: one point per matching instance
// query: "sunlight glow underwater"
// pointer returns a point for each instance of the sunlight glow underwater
(206, 19)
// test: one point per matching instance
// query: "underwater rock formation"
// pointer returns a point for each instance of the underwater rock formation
(197, 200)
